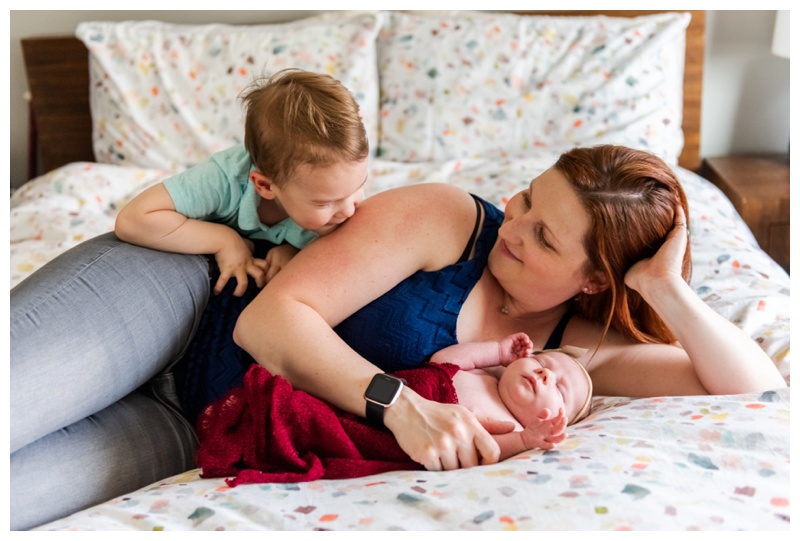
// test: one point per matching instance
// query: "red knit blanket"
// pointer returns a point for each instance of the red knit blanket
(268, 432)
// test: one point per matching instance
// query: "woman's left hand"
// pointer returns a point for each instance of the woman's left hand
(714, 356)
(667, 263)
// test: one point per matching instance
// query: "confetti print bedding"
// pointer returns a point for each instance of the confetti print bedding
(690, 463)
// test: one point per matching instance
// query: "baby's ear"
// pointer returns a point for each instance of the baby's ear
(263, 185)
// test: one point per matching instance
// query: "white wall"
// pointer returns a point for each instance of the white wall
(745, 87)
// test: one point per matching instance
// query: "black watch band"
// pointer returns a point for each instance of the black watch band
(381, 393)
(375, 413)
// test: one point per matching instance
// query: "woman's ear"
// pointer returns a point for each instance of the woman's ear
(596, 283)
(263, 185)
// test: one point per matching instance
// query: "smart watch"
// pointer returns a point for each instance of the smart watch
(381, 393)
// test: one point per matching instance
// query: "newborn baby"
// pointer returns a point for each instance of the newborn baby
(540, 392)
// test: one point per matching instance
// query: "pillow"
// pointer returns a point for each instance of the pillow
(469, 84)
(166, 95)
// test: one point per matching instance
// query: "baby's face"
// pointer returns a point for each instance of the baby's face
(550, 379)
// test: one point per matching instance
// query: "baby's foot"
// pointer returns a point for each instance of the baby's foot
(515, 346)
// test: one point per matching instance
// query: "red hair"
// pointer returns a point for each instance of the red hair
(631, 197)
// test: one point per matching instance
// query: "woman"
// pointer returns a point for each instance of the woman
(581, 257)
(602, 234)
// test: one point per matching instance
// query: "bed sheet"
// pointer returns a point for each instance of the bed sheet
(682, 463)
(68, 205)
(694, 463)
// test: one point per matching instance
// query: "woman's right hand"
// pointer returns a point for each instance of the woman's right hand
(443, 436)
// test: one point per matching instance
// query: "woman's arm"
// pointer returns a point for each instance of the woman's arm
(716, 357)
(288, 328)
(725, 359)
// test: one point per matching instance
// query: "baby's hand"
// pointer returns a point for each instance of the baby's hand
(513, 347)
(236, 260)
(277, 258)
(545, 432)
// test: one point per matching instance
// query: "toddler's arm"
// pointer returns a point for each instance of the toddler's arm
(151, 220)
(472, 355)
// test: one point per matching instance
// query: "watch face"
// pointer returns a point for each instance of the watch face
(383, 389)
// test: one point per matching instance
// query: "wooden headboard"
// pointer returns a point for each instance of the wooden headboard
(61, 127)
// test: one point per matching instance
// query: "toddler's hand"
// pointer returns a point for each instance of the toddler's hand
(236, 260)
(277, 258)
(545, 432)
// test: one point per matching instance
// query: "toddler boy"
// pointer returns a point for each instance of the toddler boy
(299, 174)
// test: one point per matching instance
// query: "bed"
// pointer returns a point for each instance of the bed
(481, 100)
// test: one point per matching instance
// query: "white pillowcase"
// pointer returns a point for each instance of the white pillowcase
(166, 96)
(471, 84)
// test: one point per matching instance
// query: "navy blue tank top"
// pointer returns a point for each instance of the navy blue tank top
(399, 330)
(405, 326)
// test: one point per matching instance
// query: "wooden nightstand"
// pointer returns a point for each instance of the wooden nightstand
(758, 186)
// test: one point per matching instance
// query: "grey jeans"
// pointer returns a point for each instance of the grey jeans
(94, 334)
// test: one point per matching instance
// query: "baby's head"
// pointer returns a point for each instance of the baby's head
(552, 379)
(305, 137)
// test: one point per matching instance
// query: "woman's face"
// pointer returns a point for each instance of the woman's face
(539, 256)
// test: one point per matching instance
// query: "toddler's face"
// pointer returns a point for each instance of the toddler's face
(550, 379)
(322, 198)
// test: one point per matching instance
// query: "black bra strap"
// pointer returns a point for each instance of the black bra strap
(471, 242)
(554, 342)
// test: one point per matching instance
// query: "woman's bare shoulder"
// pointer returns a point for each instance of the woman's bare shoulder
(437, 213)
(400, 231)
(421, 198)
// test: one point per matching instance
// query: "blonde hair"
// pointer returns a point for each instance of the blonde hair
(299, 117)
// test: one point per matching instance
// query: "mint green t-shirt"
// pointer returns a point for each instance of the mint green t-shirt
(219, 190)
